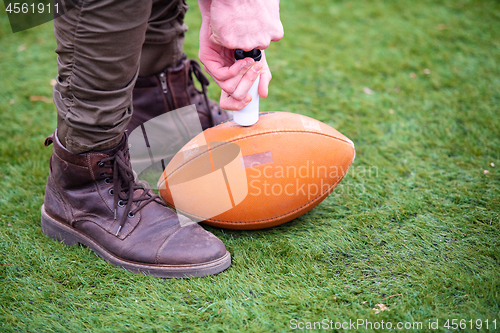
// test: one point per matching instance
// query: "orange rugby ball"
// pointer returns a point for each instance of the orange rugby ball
(259, 176)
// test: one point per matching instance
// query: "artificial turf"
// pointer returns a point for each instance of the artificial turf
(414, 225)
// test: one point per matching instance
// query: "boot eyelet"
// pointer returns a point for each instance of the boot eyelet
(100, 164)
(102, 174)
(111, 192)
(130, 215)
(121, 204)
(106, 181)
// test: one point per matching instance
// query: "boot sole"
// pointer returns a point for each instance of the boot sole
(62, 232)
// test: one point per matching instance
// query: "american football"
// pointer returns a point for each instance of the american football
(259, 176)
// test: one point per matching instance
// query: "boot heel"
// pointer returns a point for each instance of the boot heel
(58, 231)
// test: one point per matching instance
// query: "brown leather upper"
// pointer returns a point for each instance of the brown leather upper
(173, 89)
(80, 193)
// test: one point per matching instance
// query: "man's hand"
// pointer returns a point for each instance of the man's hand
(231, 24)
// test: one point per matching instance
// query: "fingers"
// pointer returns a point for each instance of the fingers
(250, 42)
(229, 103)
(247, 81)
(228, 77)
(234, 78)
(220, 72)
(265, 77)
(246, 43)
(278, 33)
(240, 97)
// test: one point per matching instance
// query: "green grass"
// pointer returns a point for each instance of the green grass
(416, 217)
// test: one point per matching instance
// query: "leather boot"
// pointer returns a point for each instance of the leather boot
(173, 89)
(94, 200)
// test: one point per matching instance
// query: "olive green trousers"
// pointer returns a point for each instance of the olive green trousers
(102, 47)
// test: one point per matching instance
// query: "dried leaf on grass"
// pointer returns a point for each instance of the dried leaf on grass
(41, 99)
(395, 294)
(382, 307)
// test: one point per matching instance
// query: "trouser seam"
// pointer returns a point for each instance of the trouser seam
(73, 61)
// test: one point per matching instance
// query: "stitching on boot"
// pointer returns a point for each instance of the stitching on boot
(69, 216)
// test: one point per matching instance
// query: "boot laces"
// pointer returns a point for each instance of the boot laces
(195, 68)
(125, 186)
